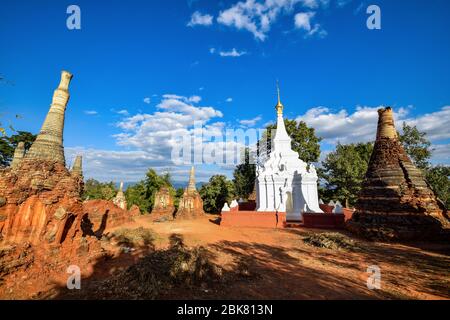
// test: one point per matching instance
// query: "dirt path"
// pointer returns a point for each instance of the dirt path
(277, 264)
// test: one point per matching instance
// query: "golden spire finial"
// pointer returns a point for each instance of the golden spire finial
(279, 107)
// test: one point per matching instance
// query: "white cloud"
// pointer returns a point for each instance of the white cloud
(232, 53)
(258, 17)
(361, 125)
(250, 122)
(302, 20)
(199, 19)
(255, 17)
(229, 99)
(212, 50)
(90, 112)
(147, 100)
(123, 112)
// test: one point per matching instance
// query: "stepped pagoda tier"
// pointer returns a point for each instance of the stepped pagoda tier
(191, 204)
(49, 142)
(396, 201)
(285, 183)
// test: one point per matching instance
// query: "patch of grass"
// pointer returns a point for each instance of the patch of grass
(330, 240)
(158, 273)
(133, 237)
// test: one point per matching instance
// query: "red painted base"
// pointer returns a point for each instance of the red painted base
(253, 219)
(323, 220)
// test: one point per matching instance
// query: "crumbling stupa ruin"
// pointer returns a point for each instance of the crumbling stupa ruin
(191, 204)
(39, 198)
(164, 207)
(120, 199)
(396, 202)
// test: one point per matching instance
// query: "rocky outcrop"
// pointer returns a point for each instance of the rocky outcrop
(396, 202)
(191, 204)
(164, 207)
(41, 203)
(101, 215)
(40, 199)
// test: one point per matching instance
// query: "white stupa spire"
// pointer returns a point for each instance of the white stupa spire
(282, 141)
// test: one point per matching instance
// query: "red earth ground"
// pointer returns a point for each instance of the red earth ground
(281, 265)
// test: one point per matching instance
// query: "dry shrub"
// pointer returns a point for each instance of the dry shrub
(330, 240)
(133, 237)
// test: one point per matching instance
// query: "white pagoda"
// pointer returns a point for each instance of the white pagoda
(284, 182)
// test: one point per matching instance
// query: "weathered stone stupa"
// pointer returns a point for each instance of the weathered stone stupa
(77, 168)
(396, 202)
(120, 199)
(191, 204)
(40, 200)
(49, 142)
(19, 154)
(164, 207)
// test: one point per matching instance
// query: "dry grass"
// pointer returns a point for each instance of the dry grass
(330, 240)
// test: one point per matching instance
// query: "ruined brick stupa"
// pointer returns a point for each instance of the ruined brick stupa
(191, 204)
(39, 198)
(164, 206)
(396, 201)
(120, 199)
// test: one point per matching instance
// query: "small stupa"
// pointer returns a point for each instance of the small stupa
(164, 207)
(77, 168)
(120, 199)
(19, 154)
(191, 204)
(396, 202)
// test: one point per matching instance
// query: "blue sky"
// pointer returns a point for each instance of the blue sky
(145, 68)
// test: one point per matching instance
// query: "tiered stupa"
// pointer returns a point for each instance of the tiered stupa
(40, 200)
(164, 207)
(120, 199)
(396, 201)
(191, 204)
(77, 168)
(49, 142)
(19, 154)
(285, 183)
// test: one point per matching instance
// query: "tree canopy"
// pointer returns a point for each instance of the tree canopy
(216, 192)
(9, 143)
(94, 189)
(244, 176)
(344, 170)
(416, 145)
(143, 193)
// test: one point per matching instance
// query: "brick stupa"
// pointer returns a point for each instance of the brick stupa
(40, 200)
(191, 204)
(164, 207)
(396, 202)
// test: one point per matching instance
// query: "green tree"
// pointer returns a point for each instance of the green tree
(344, 170)
(9, 143)
(94, 189)
(143, 193)
(216, 192)
(244, 177)
(438, 178)
(304, 139)
(416, 145)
